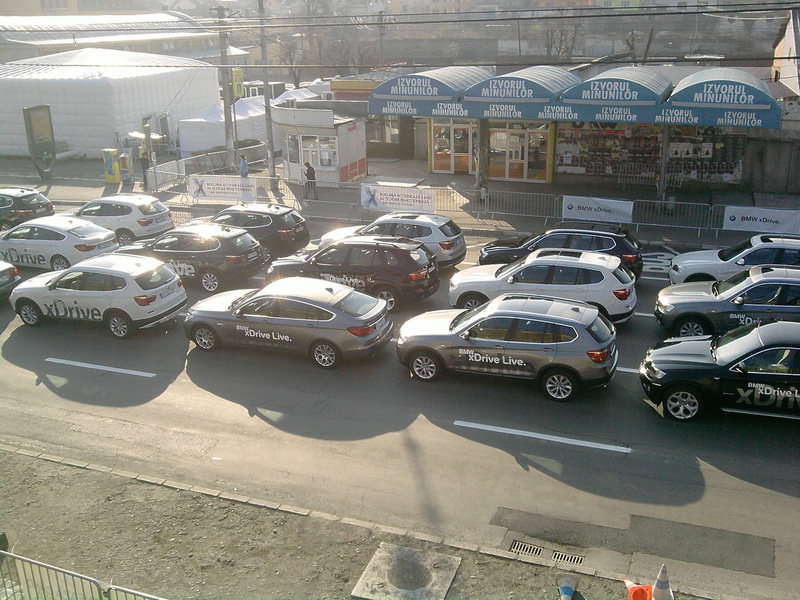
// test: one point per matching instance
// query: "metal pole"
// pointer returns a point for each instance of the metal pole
(267, 97)
(381, 30)
(226, 87)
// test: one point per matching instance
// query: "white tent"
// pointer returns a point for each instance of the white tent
(97, 96)
(206, 129)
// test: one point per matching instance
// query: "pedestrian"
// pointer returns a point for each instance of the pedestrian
(311, 182)
(144, 161)
(243, 166)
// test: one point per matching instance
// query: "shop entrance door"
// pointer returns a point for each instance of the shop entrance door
(517, 155)
(452, 148)
(462, 145)
(442, 149)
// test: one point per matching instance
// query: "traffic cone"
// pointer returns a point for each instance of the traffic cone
(566, 585)
(661, 589)
(639, 592)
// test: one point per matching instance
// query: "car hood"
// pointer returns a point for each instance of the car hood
(133, 249)
(475, 274)
(696, 258)
(218, 303)
(293, 260)
(436, 322)
(512, 242)
(682, 352)
(697, 291)
(36, 282)
(338, 234)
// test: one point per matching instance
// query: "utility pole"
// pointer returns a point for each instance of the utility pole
(226, 87)
(267, 106)
(381, 31)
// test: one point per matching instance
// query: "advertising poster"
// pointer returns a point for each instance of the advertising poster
(382, 198)
(748, 218)
(220, 187)
(597, 209)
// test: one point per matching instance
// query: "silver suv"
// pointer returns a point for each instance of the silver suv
(130, 216)
(562, 344)
(441, 235)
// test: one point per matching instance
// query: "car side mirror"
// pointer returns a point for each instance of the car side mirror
(464, 335)
(738, 301)
(738, 368)
(740, 262)
(511, 279)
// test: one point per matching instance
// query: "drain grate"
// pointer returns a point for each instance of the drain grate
(572, 559)
(519, 547)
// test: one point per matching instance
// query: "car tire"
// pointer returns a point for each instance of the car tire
(210, 280)
(205, 338)
(324, 354)
(560, 385)
(29, 312)
(384, 292)
(125, 237)
(59, 263)
(683, 402)
(119, 324)
(471, 300)
(425, 365)
(699, 277)
(692, 326)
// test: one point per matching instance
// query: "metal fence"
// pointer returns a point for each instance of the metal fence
(26, 579)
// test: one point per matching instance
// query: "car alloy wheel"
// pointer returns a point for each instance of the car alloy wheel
(683, 403)
(470, 301)
(425, 366)
(205, 338)
(559, 385)
(210, 281)
(691, 327)
(59, 263)
(389, 295)
(325, 355)
(125, 237)
(29, 313)
(119, 324)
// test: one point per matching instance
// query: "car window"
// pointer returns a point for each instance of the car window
(624, 275)
(530, 331)
(256, 220)
(555, 240)
(150, 209)
(791, 256)
(192, 243)
(560, 334)
(168, 242)
(581, 241)
(361, 257)
(114, 283)
(601, 330)
(600, 243)
(20, 233)
(91, 210)
(761, 256)
(5, 202)
(791, 295)
(775, 360)
(356, 304)
(766, 293)
(231, 219)
(590, 276)
(119, 210)
(379, 229)
(450, 229)
(534, 274)
(155, 278)
(70, 281)
(292, 309)
(405, 230)
(42, 233)
(493, 328)
(95, 282)
(388, 258)
(85, 230)
(333, 256)
(262, 307)
(564, 275)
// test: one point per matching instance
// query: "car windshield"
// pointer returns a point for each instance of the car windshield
(242, 299)
(155, 278)
(601, 330)
(290, 219)
(34, 200)
(89, 229)
(465, 316)
(512, 266)
(731, 251)
(720, 287)
(153, 208)
(421, 256)
(242, 243)
(450, 229)
(730, 346)
(624, 275)
(356, 304)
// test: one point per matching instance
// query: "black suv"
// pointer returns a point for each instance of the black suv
(395, 269)
(280, 229)
(207, 252)
(593, 237)
(22, 204)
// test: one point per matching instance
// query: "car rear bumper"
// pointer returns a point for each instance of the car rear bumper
(450, 261)
(171, 313)
(621, 317)
(383, 338)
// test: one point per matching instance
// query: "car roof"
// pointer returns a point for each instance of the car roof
(129, 197)
(129, 263)
(262, 207)
(412, 216)
(780, 332)
(588, 227)
(561, 309)
(570, 257)
(319, 290)
(775, 238)
(18, 191)
(762, 272)
(58, 221)
(209, 229)
(385, 240)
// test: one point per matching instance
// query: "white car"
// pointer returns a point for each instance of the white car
(598, 279)
(441, 235)
(130, 216)
(716, 265)
(123, 292)
(55, 242)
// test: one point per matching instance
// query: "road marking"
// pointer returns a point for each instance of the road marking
(655, 278)
(644, 315)
(668, 249)
(627, 370)
(544, 436)
(474, 245)
(468, 263)
(73, 363)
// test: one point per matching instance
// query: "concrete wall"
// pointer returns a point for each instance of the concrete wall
(772, 166)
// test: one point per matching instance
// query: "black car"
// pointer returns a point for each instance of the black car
(207, 252)
(395, 269)
(9, 278)
(22, 204)
(595, 237)
(280, 229)
(753, 369)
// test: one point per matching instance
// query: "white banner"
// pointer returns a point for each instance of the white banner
(597, 209)
(748, 218)
(383, 198)
(222, 187)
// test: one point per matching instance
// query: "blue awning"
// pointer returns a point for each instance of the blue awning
(721, 97)
(528, 94)
(434, 93)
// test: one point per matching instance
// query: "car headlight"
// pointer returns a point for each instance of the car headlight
(652, 371)
(664, 306)
(401, 340)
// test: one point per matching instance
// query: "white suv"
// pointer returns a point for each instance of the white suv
(716, 265)
(440, 235)
(598, 279)
(123, 292)
(130, 216)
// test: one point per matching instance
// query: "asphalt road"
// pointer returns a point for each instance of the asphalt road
(478, 459)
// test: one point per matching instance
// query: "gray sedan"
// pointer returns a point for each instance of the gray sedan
(326, 320)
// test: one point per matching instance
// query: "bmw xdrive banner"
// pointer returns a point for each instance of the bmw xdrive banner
(748, 218)
(382, 198)
(596, 209)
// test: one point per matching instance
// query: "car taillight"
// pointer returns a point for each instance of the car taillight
(361, 330)
(180, 282)
(285, 233)
(84, 247)
(144, 222)
(236, 260)
(446, 245)
(418, 275)
(599, 356)
(622, 294)
(629, 258)
(15, 272)
(144, 300)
